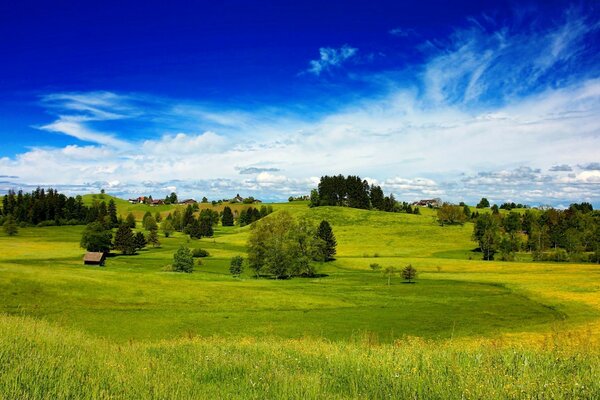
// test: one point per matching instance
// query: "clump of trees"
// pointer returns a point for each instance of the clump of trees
(449, 214)
(550, 235)
(48, 207)
(283, 247)
(183, 261)
(352, 191)
(10, 226)
(252, 214)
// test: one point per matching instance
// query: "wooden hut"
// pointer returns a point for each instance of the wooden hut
(94, 258)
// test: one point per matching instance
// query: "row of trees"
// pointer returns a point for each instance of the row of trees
(284, 247)
(552, 235)
(352, 191)
(98, 237)
(48, 207)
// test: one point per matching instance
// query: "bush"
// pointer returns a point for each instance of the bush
(375, 267)
(197, 253)
(183, 260)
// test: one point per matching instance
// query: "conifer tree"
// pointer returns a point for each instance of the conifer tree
(193, 229)
(130, 221)
(326, 234)
(227, 218)
(153, 238)
(183, 261)
(112, 212)
(206, 228)
(125, 240)
(10, 226)
(140, 241)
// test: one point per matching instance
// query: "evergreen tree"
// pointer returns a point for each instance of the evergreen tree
(194, 229)
(204, 200)
(112, 213)
(325, 233)
(140, 241)
(206, 226)
(183, 260)
(483, 203)
(236, 266)
(157, 217)
(147, 215)
(130, 221)
(125, 240)
(153, 238)
(409, 273)
(188, 217)
(227, 218)
(10, 226)
(376, 197)
(150, 223)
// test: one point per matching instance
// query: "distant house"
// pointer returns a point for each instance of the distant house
(157, 202)
(138, 200)
(189, 201)
(94, 258)
(237, 199)
(428, 203)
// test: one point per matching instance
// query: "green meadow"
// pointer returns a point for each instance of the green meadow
(468, 328)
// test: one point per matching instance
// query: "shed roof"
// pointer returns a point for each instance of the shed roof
(93, 256)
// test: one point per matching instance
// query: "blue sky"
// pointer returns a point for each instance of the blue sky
(496, 99)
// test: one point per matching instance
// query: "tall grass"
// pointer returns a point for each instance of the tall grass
(38, 360)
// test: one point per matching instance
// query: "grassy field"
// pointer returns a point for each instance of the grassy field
(467, 328)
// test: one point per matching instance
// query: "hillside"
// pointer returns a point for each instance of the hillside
(175, 321)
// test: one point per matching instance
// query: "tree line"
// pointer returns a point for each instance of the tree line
(48, 207)
(352, 191)
(550, 235)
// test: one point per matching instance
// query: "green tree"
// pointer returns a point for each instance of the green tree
(325, 233)
(147, 215)
(150, 223)
(206, 226)
(204, 200)
(188, 217)
(153, 238)
(167, 227)
(125, 240)
(183, 260)
(140, 241)
(112, 213)
(409, 273)
(236, 266)
(486, 232)
(389, 272)
(227, 218)
(375, 267)
(449, 214)
(314, 198)
(194, 229)
(157, 217)
(96, 237)
(130, 221)
(483, 203)
(10, 226)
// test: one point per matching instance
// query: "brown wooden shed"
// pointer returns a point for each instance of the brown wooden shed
(94, 258)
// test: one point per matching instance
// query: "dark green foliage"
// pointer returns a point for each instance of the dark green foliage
(211, 215)
(486, 232)
(351, 191)
(194, 229)
(314, 198)
(376, 197)
(96, 237)
(236, 266)
(483, 203)
(150, 223)
(157, 217)
(409, 273)
(125, 240)
(171, 199)
(130, 221)
(467, 211)
(140, 241)
(10, 226)
(183, 260)
(250, 215)
(227, 218)
(206, 225)
(204, 200)
(112, 213)
(200, 253)
(188, 217)
(167, 227)
(375, 267)
(325, 233)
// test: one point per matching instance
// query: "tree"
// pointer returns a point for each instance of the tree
(483, 203)
(150, 223)
(167, 227)
(467, 211)
(153, 238)
(449, 214)
(375, 267)
(130, 221)
(157, 217)
(389, 272)
(314, 198)
(194, 229)
(376, 197)
(140, 241)
(206, 226)
(487, 233)
(183, 260)
(409, 273)
(112, 213)
(10, 226)
(125, 240)
(236, 266)
(325, 233)
(96, 238)
(227, 218)
(204, 200)
(172, 198)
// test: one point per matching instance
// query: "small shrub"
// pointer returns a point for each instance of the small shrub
(196, 253)
(375, 267)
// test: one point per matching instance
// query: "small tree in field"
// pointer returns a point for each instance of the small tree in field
(125, 240)
(130, 220)
(389, 272)
(375, 267)
(10, 226)
(183, 260)
(227, 218)
(140, 241)
(153, 238)
(96, 237)
(325, 233)
(167, 227)
(236, 266)
(409, 273)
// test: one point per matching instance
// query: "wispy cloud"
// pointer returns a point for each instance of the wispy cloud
(561, 168)
(402, 32)
(331, 58)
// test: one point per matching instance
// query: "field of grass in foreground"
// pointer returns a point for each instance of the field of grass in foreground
(467, 328)
(40, 361)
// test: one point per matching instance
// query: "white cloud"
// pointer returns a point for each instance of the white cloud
(330, 58)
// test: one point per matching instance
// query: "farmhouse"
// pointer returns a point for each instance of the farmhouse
(237, 199)
(94, 258)
(157, 202)
(189, 201)
(428, 203)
